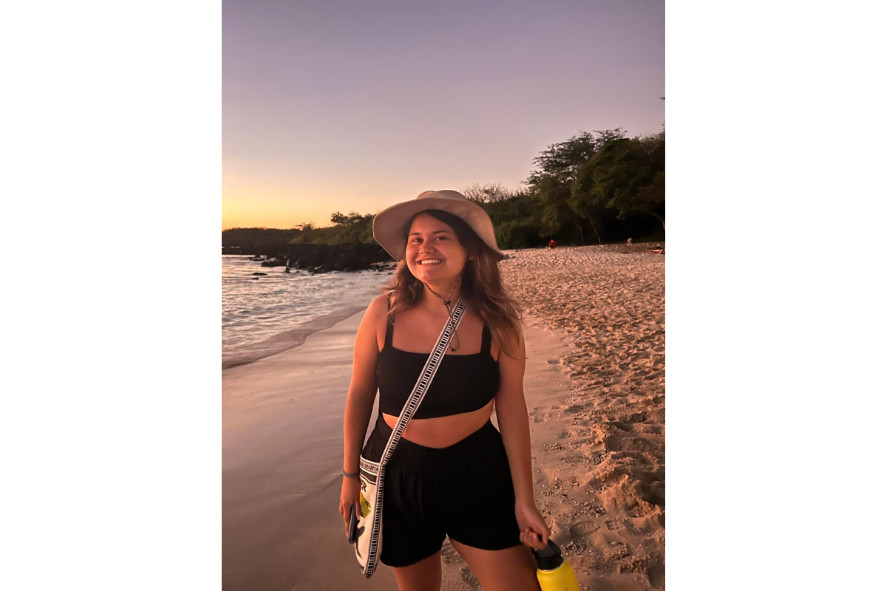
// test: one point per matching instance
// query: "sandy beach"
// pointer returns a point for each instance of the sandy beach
(599, 451)
(594, 322)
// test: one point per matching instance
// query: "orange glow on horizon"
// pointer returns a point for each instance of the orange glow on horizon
(259, 214)
(279, 204)
(271, 207)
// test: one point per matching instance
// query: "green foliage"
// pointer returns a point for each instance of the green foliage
(257, 237)
(562, 161)
(625, 176)
(522, 233)
(587, 184)
(488, 193)
(598, 182)
(352, 228)
(348, 228)
(515, 220)
(556, 213)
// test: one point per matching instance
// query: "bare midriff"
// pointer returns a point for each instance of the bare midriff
(443, 431)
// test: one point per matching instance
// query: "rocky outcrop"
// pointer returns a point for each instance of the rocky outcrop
(318, 258)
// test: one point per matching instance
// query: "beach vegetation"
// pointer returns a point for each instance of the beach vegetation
(592, 188)
(601, 186)
(626, 175)
(561, 161)
(352, 228)
(488, 193)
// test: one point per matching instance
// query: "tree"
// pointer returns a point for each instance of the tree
(558, 168)
(563, 160)
(352, 227)
(587, 208)
(556, 213)
(516, 220)
(625, 175)
(306, 232)
(488, 193)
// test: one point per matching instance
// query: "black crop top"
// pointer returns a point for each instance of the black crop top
(463, 382)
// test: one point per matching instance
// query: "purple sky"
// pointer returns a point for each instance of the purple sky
(355, 105)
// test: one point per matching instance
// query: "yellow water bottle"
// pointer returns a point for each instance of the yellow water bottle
(554, 571)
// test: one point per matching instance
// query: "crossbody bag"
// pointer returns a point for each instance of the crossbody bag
(372, 474)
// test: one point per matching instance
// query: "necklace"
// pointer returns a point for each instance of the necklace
(454, 343)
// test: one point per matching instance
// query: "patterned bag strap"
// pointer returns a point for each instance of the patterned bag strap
(424, 381)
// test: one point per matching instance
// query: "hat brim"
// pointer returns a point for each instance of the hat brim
(390, 226)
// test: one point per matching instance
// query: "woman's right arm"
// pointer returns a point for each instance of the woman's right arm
(361, 396)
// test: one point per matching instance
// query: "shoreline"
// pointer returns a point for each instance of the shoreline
(289, 339)
(281, 468)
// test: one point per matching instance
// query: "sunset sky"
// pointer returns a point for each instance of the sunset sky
(347, 105)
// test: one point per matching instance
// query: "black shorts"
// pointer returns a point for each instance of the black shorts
(463, 491)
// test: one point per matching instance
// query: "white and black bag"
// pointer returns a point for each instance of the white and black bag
(372, 474)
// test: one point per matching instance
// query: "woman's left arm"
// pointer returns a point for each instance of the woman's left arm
(513, 421)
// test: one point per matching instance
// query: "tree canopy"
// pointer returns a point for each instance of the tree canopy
(625, 176)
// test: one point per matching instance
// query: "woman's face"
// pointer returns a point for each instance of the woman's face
(433, 253)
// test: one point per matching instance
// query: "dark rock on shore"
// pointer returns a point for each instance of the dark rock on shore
(318, 258)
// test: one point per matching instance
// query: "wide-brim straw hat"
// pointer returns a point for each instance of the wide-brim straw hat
(389, 227)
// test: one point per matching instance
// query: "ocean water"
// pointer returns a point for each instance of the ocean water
(267, 314)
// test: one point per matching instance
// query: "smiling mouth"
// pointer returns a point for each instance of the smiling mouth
(430, 262)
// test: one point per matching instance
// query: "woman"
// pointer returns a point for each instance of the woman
(453, 473)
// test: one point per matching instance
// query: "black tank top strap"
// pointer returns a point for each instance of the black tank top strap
(486, 345)
(389, 330)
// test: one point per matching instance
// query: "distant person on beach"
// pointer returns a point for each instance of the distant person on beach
(453, 473)
(553, 243)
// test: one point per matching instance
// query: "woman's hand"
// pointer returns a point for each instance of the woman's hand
(350, 496)
(533, 531)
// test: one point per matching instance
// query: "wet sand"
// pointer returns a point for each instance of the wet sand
(281, 462)
(595, 391)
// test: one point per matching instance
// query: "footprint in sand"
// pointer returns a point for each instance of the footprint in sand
(656, 575)
(651, 490)
(616, 551)
(614, 525)
(582, 530)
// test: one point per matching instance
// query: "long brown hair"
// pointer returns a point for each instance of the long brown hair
(481, 285)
